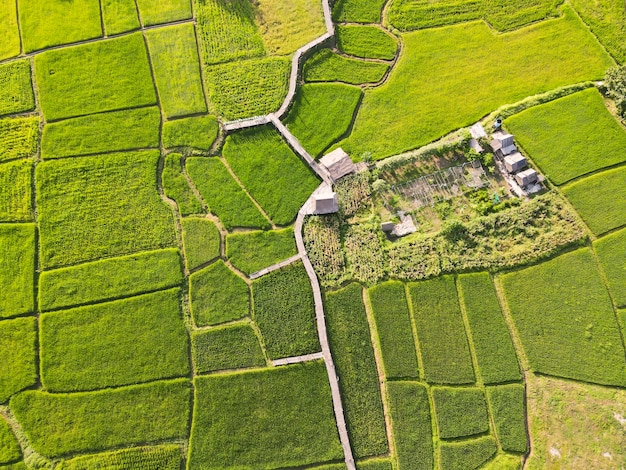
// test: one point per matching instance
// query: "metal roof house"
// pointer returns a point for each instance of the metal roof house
(527, 177)
(325, 202)
(515, 162)
(503, 145)
(338, 164)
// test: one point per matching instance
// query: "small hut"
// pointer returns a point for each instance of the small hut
(503, 145)
(338, 164)
(515, 162)
(325, 203)
(527, 177)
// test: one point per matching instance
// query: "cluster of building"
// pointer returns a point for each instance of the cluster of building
(336, 164)
(515, 164)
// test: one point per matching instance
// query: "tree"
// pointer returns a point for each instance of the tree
(615, 88)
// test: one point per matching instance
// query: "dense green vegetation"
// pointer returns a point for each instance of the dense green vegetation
(358, 11)
(95, 77)
(411, 423)
(467, 454)
(366, 41)
(218, 295)
(102, 206)
(606, 20)
(350, 343)
(570, 136)
(201, 240)
(145, 340)
(118, 130)
(163, 457)
(9, 448)
(287, 421)
(18, 137)
(16, 203)
(119, 16)
(364, 255)
(109, 279)
(229, 347)
(163, 11)
(566, 321)
(17, 269)
(327, 66)
(18, 370)
(197, 132)
(322, 241)
(95, 421)
(611, 251)
(600, 199)
(9, 30)
(273, 174)
(285, 312)
(440, 332)
(176, 186)
(16, 90)
(507, 403)
(224, 196)
(252, 251)
(460, 412)
(393, 323)
(495, 353)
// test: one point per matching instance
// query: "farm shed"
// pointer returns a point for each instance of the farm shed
(387, 226)
(526, 177)
(515, 162)
(338, 164)
(325, 202)
(503, 145)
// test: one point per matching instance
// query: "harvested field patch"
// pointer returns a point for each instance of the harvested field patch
(467, 454)
(154, 12)
(9, 447)
(17, 269)
(440, 332)
(358, 11)
(369, 42)
(176, 67)
(356, 368)
(18, 369)
(285, 313)
(565, 319)
(508, 409)
(253, 251)
(16, 204)
(606, 20)
(460, 412)
(273, 174)
(164, 457)
(321, 114)
(287, 422)
(611, 251)
(224, 196)
(229, 347)
(108, 279)
(103, 206)
(16, 89)
(91, 78)
(119, 16)
(327, 66)
(18, 137)
(176, 186)
(393, 323)
(198, 132)
(600, 199)
(201, 240)
(218, 295)
(9, 30)
(96, 421)
(113, 131)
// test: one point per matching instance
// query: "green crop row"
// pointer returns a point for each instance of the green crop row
(358, 11)
(176, 186)
(164, 457)
(197, 132)
(611, 252)
(606, 20)
(18, 369)
(327, 66)
(201, 240)
(18, 137)
(322, 240)
(9, 30)
(16, 90)
(508, 409)
(460, 412)
(364, 254)
(368, 42)
(17, 269)
(467, 454)
(9, 447)
(351, 345)
(163, 11)
(119, 16)
(253, 251)
(16, 201)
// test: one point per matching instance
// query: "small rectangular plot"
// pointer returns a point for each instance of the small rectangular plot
(16, 204)
(119, 16)
(16, 89)
(17, 269)
(18, 137)
(163, 11)
(508, 410)
(9, 30)
(611, 251)
(18, 369)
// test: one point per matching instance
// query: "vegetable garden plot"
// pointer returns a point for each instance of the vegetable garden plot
(350, 343)
(600, 199)
(364, 255)
(253, 251)
(176, 68)
(358, 11)
(176, 186)
(9, 30)
(508, 409)
(9, 447)
(18, 137)
(393, 323)
(440, 332)
(224, 196)
(18, 369)
(321, 114)
(606, 20)
(201, 240)
(327, 66)
(198, 132)
(322, 241)
(495, 352)
(91, 78)
(467, 454)
(104, 206)
(119, 16)
(565, 319)
(460, 412)
(275, 418)
(272, 173)
(16, 89)
(46, 23)
(113, 131)
(571, 136)
(97, 421)
(154, 12)
(218, 295)
(16, 203)
(366, 41)
(109, 279)
(285, 312)
(164, 457)
(17, 269)
(611, 251)
(230, 347)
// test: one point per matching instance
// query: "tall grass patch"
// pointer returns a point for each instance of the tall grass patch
(163, 11)
(495, 352)
(218, 295)
(9, 447)
(9, 30)
(327, 66)
(321, 114)
(358, 11)
(276, 418)
(411, 423)
(467, 454)
(349, 337)
(96, 421)
(16, 201)
(268, 168)
(176, 67)
(460, 412)
(566, 321)
(393, 323)
(17, 269)
(16, 89)
(253, 251)
(366, 41)
(119, 16)
(440, 332)
(118, 343)
(571, 136)
(285, 312)
(606, 20)
(109, 279)
(176, 186)
(508, 409)
(99, 207)
(90, 78)
(201, 239)
(224, 196)
(163, 457)
(18, 137)
(197, 132)
(600, 199)
(611, 251)
(18, 369)
(113, 131)
(229, 347)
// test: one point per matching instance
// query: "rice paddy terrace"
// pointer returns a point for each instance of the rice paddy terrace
(171, 298)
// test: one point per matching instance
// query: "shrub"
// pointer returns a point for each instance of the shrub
(252, 251)
(366, 41)
(9, 447)
(615, 85)
(353, 191)
(327, 66)
(18, 349)
(163, 457)
(351, 346)
(611, 251)
(176, 186)
(197, 132)
(17, 269)
(16, 89)
(467, 454)
(16, 204)
(18, 137)
(202, 240)
(460, 412)
(507, 403)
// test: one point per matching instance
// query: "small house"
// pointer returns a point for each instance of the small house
(503, 145)
(526, 177)
(325, 203)
(515, 162)
(338, 164)
(387, 226)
